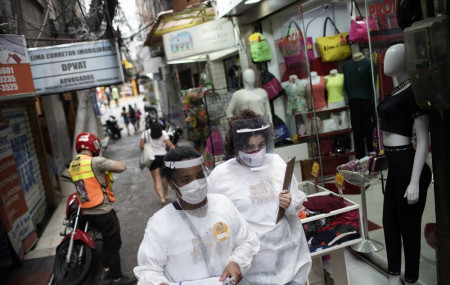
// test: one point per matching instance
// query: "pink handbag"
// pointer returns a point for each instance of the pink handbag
(215, 139)
(358, 27)
(310, 48)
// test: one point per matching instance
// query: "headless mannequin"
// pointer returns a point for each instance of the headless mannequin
(250, 97)
(315, 79)
(336, 100)
(359, 89)
(395, 66)
(358, 56)
(296, 97)
(318, 90)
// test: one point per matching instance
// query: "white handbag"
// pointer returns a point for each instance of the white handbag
(146, 157)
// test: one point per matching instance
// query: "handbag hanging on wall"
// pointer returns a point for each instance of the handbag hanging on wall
(333, 48)
(358, 27)
(292, 46)
(271, 84)
(259, 48)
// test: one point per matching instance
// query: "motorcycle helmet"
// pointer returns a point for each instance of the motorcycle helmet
(88, 141)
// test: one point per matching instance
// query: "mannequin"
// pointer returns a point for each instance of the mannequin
(359, 88)
(250, 97)
(295, 89)
(334, 83)
(318, 89)
(408, 176)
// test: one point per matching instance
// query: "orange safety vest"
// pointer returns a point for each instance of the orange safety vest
(89, 189)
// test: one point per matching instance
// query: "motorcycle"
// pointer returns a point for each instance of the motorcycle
(74, 255)
(174, 131)
(112, 128)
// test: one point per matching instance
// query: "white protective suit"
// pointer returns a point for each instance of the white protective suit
(284, 255)
(170, 252)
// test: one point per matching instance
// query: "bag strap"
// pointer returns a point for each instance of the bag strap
(325, 26)
(289, 27)
(357, 8)
(198, 237)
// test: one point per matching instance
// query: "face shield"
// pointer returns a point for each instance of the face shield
(189, 178)
(253, 142)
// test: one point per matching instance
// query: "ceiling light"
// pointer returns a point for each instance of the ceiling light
(251, 2)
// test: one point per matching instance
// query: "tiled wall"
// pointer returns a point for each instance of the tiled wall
(217, 73)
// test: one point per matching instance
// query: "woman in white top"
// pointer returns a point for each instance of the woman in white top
(253, 180)
(197, 237)
(157, 138)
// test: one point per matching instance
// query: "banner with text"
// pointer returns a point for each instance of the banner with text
(13, 208)
(205, 38)
(75, 66)
(15, 71)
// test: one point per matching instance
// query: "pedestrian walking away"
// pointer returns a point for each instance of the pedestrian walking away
(158, 139)
(132, 116)
(199, 237)
(138, 117)
(126, 119)
(92, 176)
(115, 95)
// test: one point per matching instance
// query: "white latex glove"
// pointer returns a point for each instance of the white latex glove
(412, 193)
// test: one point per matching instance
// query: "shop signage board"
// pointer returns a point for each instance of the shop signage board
(15, 70)
(13, 208)
(26, 162)
(221, 8)
(75, 66)
(201, 39)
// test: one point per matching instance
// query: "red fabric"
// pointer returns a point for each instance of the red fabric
(324, 204)
(322, 68)
(386, 83)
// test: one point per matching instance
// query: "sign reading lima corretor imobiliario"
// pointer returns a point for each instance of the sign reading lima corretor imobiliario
(75, 66)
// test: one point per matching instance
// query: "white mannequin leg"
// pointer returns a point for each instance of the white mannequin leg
(394, 280)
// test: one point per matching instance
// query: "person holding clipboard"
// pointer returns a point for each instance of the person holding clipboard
(254, 181)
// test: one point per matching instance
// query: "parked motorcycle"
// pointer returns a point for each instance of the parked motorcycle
(174, 131)
(74, 255)
(112, 128)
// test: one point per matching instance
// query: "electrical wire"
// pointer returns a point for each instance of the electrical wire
(45, 20)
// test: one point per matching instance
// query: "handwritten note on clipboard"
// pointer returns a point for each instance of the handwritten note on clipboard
(287, 183)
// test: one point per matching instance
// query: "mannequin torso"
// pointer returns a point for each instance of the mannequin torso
(334, 83)
(318, 89)
(250, 97)
(295, 90)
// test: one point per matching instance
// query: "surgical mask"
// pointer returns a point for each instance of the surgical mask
(194, 192)
(253, 159)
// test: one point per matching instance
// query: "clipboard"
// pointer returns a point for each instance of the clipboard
(287, 183)
(288, 174)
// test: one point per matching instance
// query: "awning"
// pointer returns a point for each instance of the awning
(168, 21)
(218, 55)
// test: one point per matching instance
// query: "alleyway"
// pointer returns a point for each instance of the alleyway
(136, 199)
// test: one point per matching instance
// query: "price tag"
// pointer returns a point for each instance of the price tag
(315, 169)
(339, 181)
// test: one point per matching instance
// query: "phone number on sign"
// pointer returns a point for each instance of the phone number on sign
(7, 79)
(9, 87)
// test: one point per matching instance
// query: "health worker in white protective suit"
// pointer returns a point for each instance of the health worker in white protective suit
(253, 180)
(199, 236)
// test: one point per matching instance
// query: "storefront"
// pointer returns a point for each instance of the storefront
(317, 111)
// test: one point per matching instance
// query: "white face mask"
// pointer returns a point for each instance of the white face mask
(254, 159)
(194, 192)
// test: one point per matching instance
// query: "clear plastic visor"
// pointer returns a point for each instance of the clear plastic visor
(187, 170)
(253, 141)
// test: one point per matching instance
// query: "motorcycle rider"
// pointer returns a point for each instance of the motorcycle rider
(92, 177)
